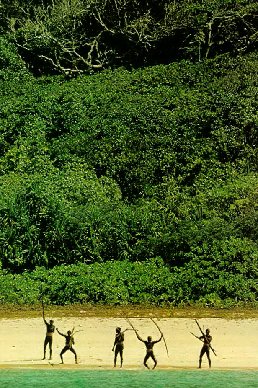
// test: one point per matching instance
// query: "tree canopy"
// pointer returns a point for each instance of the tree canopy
(78, 36)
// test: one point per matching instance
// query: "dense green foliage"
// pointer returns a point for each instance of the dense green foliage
(100, 174)
(123, 283)
(75, 36)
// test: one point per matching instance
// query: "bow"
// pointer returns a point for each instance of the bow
(155, 323)
(130, 323)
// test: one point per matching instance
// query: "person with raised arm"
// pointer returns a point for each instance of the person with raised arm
(69, 342)
(149, 349)
(206, 339)
(50, 329)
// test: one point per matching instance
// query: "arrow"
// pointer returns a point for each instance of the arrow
(204, 336)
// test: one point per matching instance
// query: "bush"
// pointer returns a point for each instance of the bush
(124, 283)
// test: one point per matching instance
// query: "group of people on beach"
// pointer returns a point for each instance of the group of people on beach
(69, 340)
(149, 344)
(118, 347)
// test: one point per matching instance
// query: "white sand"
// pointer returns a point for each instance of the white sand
(235, 342)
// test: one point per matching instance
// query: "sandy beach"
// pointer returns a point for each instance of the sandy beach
(234, 340)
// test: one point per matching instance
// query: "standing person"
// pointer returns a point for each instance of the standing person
(69, 342)
(206, 338)
(149, 349)
(118, 346)
(49, 335)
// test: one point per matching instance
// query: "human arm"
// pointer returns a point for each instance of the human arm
(43, 314)
(115, 342)
(127, 329)
(196, 336)
(139, 338)
(158, 339)
(63, 335)
(206, 339)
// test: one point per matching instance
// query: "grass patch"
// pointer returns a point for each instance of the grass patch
(139, 311)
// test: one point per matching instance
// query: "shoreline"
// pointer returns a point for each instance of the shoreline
(124, 368)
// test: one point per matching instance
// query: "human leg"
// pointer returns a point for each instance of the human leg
(121, 357)
(155, 360)
(50, 348)
(145, 360)
(45, 346)
(62, 352)
(208, 356)
(115, 356)
(201, 355)
(75, 355)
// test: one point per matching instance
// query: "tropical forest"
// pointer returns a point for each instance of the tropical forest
(129, 152)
